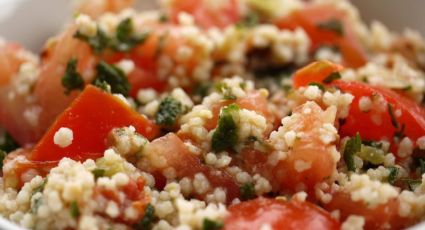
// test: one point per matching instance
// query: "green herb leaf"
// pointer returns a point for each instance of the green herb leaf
(40, 188)
(249, 21)
(75, 211)
(72, 80)
(412, 183)
(392, 116)
(168, 112)
(422, 166)
(208, 224)
(8, 144)
(332, 77)
(3, 155)
(321, 87)
(98, 43)
(126, 39)
(393, 174)
(352, 147)
(147, 220)
(98, 173)
(103, 85)
(113, 76)
(224, 89)
(333, 25)
(247, 191)
(225, 135)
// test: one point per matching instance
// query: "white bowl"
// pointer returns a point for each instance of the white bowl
(31, 22)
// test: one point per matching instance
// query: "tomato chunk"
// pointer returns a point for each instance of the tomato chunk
(311, 17)
(170, 151)
(91, 117)
(208, 13)
(396, 116)
(278, 215)
(315, 72)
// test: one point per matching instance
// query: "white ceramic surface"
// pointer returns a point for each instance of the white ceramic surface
(31, 22)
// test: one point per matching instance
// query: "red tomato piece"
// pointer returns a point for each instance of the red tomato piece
(312, 16)
(278, 215)
(209, 13)
(379, 217)
(91, 117)
(370, 128)
(170, 151)
(315, 72)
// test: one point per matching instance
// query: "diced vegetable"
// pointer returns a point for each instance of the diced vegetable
(93, 114)
(352, 147)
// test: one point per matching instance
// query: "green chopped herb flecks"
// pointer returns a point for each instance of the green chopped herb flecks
(72, 80)
(352, 147)
(124, 40)
(209, 224)
(97, 173)
(332, 77)
(103, 85)
(74, 210)
(333, 25)
(114, 77)
(8, 144)
(393, 174)
(168, 112)
(225, 136)
(320, 86)
(249, 21)
(98, 43)
(3, 155)
(394, 121)
(147, 221)
(224, 89)
(247, 191)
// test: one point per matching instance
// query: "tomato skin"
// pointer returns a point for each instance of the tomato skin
(279, 215)
(91, 117)
(309, 18)
(315, 72)
(207, 16)
(176, 155)
(375, 217)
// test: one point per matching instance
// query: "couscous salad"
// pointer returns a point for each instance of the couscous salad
(215, 114)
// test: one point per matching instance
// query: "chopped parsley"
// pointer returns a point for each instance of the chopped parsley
(40, 188)
(202, 89)
(97, 173)
(321, 87)
(3, 155)
(247, 191)
(114, 77)
(209, 224)
(126, 39)
(168, 112)
(333, 25)
(147, 220)
(332, 77)
(8, 144)
(224, 89)
(72, 80)
(225, 135)
(249, 21)
(411, 183)
(98, 43)
(392, 116)
(422, 166)
(103, 85)
(74, 210)
(352, 146)
(393, 174)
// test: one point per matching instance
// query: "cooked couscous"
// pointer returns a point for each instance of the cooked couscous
(229, 114)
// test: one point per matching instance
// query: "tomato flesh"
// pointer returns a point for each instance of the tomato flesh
(311, 16)
(278, 215)
(91, 117)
